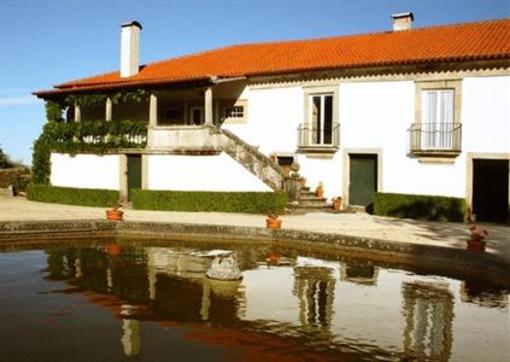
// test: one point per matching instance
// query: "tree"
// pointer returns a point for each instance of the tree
(5, 161)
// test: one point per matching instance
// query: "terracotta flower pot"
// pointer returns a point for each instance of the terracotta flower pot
(337, 204)
(272, 258)
(273, 223)
(115, 215)
(476, 246)
(113, 249)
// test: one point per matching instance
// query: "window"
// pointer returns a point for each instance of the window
(320, 132)
(234, 112)
(321, 121)
(437, 118)
(171, 116)
(436, 133)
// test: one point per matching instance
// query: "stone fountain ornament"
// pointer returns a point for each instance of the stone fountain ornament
(224, 267)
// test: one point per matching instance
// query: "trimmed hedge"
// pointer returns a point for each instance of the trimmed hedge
(242, 202)
(420, 206)
(72, 196)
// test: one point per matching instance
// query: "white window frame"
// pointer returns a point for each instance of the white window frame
(233, 119)
(321, 120)
(332, 89)
(435, 139)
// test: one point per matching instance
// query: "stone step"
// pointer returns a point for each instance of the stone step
(307, 193)
(312, 198)
(301, 206)
(305, 188)
(300, 209)
(313, 203)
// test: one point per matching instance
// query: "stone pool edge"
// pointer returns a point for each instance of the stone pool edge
(373, 248)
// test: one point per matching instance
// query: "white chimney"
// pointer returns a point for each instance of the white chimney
(129, 48)
(402, 21)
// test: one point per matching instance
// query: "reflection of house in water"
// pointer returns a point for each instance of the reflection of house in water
(482, 294)
(428, 311)
(146, 283)
(131, 341)
(314, 285)
(180, 291)
(359, 273)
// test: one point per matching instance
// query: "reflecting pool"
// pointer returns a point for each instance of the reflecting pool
(152, 301)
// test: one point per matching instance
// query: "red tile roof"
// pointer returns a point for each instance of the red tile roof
(460, 42)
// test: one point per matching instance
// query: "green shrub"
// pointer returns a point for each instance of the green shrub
(420, 206)
(242, 202)
(72, 196)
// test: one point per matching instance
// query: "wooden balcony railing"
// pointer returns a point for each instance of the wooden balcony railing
(436, 138)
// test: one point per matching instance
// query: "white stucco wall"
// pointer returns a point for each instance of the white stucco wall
(376, 116)
(200, 173)
(273, 118)
(486, 114)
(85, 171)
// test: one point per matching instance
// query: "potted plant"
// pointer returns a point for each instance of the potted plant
(319, 191)
(476, 242)
(272, 258)
(115, 213)
(113, 249)
(337, 203)
(272, 220)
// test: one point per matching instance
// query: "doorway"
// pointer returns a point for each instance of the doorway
(362, 180)
(490, 190)
(196, 115)
(134, 173)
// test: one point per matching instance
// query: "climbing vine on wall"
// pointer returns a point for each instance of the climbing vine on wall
(97, 137)
(91, 100)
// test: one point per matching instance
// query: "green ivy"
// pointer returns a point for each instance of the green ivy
(97, 137)
(90, 100)
(54, 111)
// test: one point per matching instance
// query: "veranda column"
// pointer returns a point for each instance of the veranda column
(109, 107)
(208, 106)
(77, 113)
(153, 110)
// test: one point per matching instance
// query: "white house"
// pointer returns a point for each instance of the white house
(421, 111)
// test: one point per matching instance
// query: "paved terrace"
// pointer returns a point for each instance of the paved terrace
(451, 235)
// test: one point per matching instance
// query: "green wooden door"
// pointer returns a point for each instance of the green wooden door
(363, 179)
(134, 173)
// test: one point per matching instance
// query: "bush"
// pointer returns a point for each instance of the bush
(243, 202)
(420, 206)
(72, 196)
(18, 177)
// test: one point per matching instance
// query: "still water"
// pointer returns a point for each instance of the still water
(152, 302)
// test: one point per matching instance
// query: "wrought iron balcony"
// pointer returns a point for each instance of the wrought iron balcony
(315, 139)
(436, 138)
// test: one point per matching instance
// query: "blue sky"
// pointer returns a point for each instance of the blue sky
(45, 42)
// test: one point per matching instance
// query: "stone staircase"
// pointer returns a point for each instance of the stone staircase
(270, 173)
(308, 202)
(253, 160)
